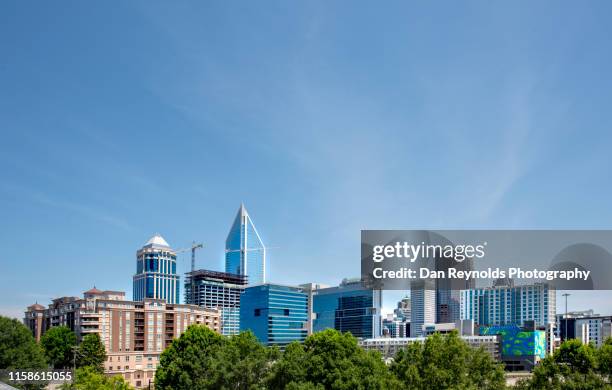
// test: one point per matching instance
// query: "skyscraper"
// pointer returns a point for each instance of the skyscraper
(276, 314)
(510, 305)
(349, 307)
(217, 290)
(245, 253)
(422, 305)
(156, 275)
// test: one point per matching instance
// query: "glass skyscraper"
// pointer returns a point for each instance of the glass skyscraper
(276, 314)
(348, 307)
(156, 275)
(218, 290)
(245, 253)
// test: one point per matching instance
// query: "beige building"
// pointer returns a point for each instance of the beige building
(134, 333)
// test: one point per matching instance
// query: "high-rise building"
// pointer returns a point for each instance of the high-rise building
(310, 289)
(218, 290)
(402, 311)
(156, 276)
(349, 307)
(422, 305)
(510, 305)
(276, 314)
(134, 333)
(245, 253)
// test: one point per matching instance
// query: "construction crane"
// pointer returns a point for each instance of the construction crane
(193, 248)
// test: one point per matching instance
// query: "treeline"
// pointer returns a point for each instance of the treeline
(58, 349)
(203, 359)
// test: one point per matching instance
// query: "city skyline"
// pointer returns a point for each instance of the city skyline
(409, 116)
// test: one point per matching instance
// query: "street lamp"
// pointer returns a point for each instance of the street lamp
(566, 295)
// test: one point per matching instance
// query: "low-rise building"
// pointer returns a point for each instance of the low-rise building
(133, 333)
(388, 347)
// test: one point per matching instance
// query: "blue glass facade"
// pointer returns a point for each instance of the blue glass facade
(245, 253)
(276, 314)
(348, 308)
(156, 275)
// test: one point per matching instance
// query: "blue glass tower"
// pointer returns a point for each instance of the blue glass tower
(156, 275)
(276, 314)
(348, 308)
(245, 253)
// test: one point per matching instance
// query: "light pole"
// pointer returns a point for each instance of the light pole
(566, 295)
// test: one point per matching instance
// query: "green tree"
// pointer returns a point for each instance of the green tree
(89, 378)
(91, 353)
(58, 343)
(18, 349)
(572, 366)
(242, 363)
(189, 361)
(446, 362)
(330, 360)
(604, 361)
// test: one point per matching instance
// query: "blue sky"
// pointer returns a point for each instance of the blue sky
(122, 120)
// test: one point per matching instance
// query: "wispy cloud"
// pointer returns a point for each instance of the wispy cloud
(84, 210)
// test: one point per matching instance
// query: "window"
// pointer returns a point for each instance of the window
(257, 312)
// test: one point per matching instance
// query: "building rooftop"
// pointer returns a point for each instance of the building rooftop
(157, 240)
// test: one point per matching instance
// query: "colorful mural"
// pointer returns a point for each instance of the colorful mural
(517, 342)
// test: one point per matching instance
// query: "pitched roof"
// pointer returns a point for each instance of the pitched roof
(157, 239)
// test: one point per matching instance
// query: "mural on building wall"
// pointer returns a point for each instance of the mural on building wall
(517, 342)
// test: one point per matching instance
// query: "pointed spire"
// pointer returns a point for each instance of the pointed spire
(157, 239)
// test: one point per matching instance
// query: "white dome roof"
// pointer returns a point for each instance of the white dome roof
(157, 240)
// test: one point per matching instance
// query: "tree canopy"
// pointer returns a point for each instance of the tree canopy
(58, 344)
(89, 378)
(573, 366)
(91, 353)
(330, 360)
(203, 359)
(18, 348)
(446, 362)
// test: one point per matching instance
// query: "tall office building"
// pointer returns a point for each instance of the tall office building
(218, 290)
(348, 307)
(245, 253)
(134, 333)
(422, 305)
(507, 304)
(402, 311)
(276, 314)
(156, 275)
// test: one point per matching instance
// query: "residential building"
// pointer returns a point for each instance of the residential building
(245, 253)
(156, 276)
(217, 290)
(506, 304)
(134, 333)
(276, 314)
(349, 307)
